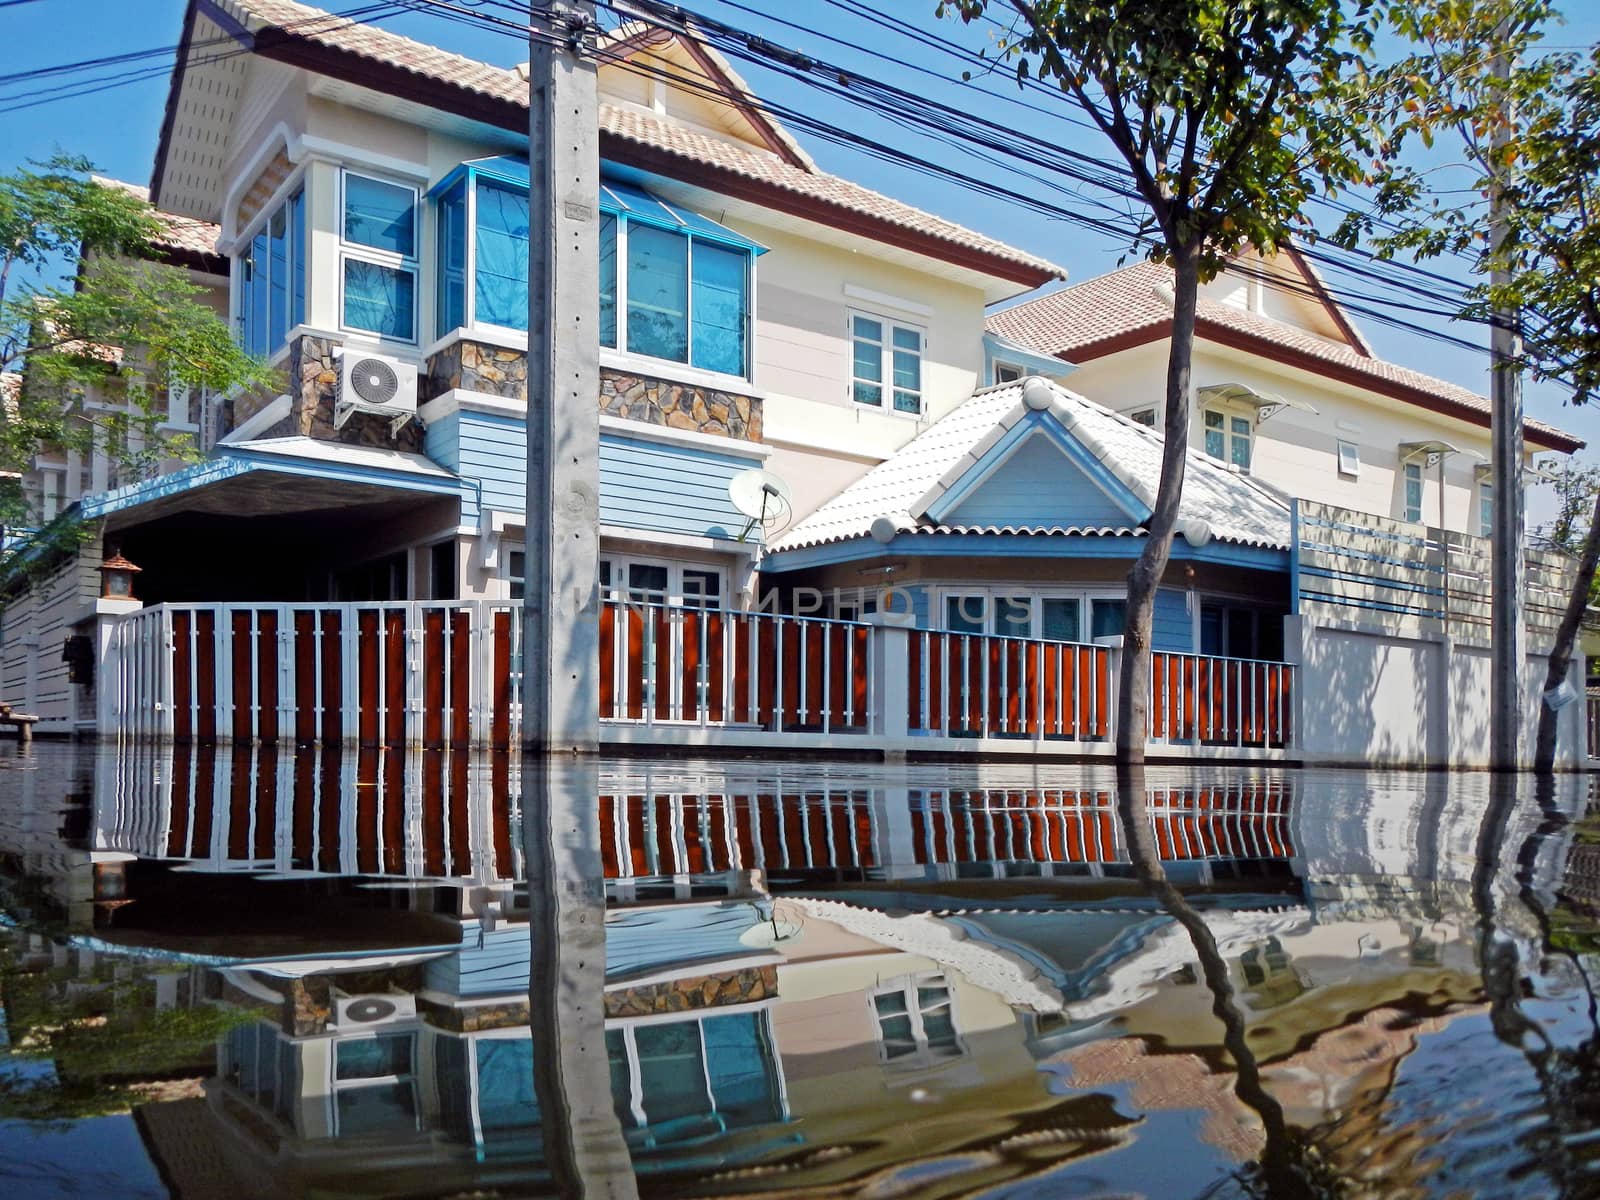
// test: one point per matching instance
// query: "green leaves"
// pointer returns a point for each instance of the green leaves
(97, 354)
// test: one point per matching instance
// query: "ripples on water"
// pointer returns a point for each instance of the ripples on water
(295, 974)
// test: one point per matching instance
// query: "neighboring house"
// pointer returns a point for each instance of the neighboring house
(1285, 388)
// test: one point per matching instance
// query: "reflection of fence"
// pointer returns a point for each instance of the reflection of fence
(709, 666)
(1209, 701)
(979, 685)
(1401, 572)
(425, 673)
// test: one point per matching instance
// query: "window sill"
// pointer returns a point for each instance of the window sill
(673, 372)
(880, 411)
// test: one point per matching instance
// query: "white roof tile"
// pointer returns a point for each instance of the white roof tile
(902, 488)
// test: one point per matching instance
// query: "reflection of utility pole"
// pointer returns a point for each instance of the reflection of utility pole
(1506, 640)
(583, 1143)
(561, 632)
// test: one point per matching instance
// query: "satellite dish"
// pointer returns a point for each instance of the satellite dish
(761, 496)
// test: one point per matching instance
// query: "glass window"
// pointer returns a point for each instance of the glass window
(608, 279)
(907, 370)
(966, 614)
(1144, 416)
(382, 1109)
(1485, 509)
(516, 574)
(702, 589)
(1013, 616)
(1107, 618)
(452, 226)
(1215, 439)
(1240, 449)
(380, 215)
(1413, 496)
(374, 1057)
(380, 299)
(501, 256)
(658, 293)
(720, 304)
(259, 277)
(671, 1071)
(647, 581)
(1059, 620)
(1006, 373)
(916, 1022)
(278, 284)
(1349, 459)
(867, 371)
(297, 259)
(881, 352)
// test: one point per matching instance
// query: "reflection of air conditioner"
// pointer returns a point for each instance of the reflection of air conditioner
(376, 1008)
(375, 383)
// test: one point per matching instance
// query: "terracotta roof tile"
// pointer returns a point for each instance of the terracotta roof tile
(183, 234)
(1124, 304)
(749, 162)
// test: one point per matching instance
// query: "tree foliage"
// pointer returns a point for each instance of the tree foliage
(1228, 117)
(124, 325)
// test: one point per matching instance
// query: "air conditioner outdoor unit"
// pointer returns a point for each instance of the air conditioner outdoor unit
(373, 1009)
(375, 383)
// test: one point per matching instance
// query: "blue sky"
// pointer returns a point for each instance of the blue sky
(117, 127)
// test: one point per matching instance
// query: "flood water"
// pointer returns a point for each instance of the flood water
(279, 974)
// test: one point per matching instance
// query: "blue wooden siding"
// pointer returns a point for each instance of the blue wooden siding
(637, 941)
(644, 485)
(1038, 485)
(1171, 625)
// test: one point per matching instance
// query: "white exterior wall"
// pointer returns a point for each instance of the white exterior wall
(1298, 451)
(1367, 695)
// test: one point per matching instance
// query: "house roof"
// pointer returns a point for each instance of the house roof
(899, 492)
(184, 240)
(1121, 310)
(781, 176)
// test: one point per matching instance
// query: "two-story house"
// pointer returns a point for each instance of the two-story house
(369, 194)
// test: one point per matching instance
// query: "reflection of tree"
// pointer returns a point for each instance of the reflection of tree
(1285, 1170)
(1568, 1076)
(91, 1047)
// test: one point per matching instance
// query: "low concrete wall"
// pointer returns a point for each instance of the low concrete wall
(1368, 694)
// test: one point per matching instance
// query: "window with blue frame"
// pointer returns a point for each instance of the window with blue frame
(378, 226)
(674, 285)
(272, 279)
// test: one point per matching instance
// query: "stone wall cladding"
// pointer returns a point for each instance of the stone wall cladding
(686, 995)
(476, 367)
(680, 405)
(313, 380)
(271, 178)
(494, 371)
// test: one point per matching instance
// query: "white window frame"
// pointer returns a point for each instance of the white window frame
(1137, 417)
(510, 573)
(337, 1085)
(1349, 459)
(886, 364)
(355, 251)
(1408, 472)
(1229, 435)
(923, 1057)
(1018, 377)
(620, 562)
(1485, 519)
(1034, 598)
(670, 367)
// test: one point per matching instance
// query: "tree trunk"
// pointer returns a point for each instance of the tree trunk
(1544, 752)
(1133, 685)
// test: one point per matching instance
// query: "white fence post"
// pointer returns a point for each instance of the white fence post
(889, 697)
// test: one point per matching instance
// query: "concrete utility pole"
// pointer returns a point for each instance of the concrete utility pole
(1508, 652)
(560, 649)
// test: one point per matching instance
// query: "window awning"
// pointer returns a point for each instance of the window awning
(1432, 449)
(623, 199)
(1265, 403)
